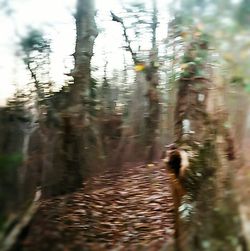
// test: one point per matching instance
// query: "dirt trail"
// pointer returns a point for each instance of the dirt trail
(132, 210)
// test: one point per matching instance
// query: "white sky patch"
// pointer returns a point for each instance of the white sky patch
(55, 19)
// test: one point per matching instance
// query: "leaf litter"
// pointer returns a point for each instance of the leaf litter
(132, 210)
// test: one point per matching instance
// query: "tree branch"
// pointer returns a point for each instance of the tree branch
(115, 18)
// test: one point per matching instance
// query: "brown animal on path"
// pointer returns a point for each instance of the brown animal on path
(177, 162)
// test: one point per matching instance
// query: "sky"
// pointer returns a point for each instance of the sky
(55, 19)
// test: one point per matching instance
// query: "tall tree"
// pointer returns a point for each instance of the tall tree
(76, 119)
(152, 78)
(69, 159)
(86, 32)
(200, 172)
(144, 114)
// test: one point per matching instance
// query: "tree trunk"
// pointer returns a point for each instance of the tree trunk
(67, 166)
(86, 32)
(207, 216)
(145, 104)
(152, 125)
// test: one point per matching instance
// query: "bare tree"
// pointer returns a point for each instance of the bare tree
(86, 32)
(66, 151)
(144, 116)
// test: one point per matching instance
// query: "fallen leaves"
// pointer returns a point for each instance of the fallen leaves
(113, 211)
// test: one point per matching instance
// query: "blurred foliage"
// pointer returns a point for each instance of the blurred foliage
(243, 14)
(36, 57)
(34, 41)
(196, 56)
(227, 24)
(10, 161)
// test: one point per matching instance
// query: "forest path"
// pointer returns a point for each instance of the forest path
(129, 210)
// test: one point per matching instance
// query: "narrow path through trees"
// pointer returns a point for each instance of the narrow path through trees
(130, 210)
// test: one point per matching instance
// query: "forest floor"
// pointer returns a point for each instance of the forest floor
(129, 210)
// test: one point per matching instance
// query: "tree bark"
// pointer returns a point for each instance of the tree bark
(67, 165)
(86, 32)
(207, 216)
(152, 78)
